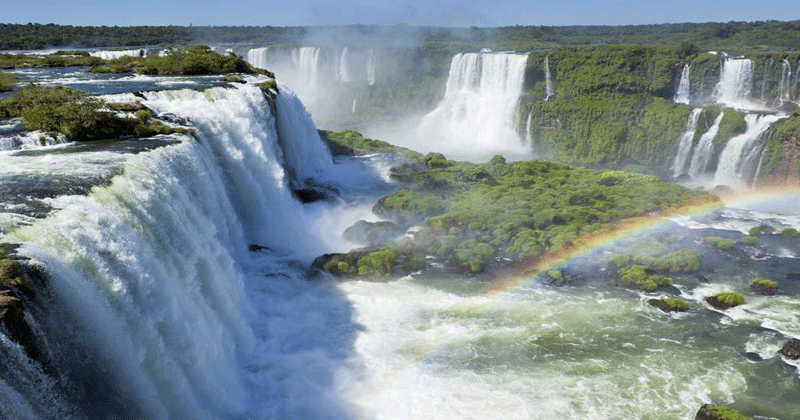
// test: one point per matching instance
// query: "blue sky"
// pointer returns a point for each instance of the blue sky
(388, 12)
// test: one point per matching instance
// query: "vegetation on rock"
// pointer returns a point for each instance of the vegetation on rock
(764, 286)
(725, 300)
(719, 242)
(669, 304)
(78, 116)
(6, 82)
(719, 412)
(475, 215)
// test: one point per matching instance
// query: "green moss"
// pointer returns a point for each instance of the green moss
(6, 81)
(728, 413)
(750, 240)
(731, 125)
(11, 273)
(790, 232)
(234, 78)
(675, 304)
(730, 299)
(636, 276)
(379, 263)
(760, 281)
(719, 242)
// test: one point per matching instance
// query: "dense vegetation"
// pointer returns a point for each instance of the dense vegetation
(473, 216)
(192, 61)
(731, 36)
(6, 82)
(78, 116)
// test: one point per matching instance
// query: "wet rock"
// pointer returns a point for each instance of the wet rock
(668, 305)
(371, 233)
(716, 412)
(701, 278)
(753, 357)
(172, 118)
(724, 301)
(791, 349)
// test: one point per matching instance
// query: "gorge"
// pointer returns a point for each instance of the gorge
(172, 274)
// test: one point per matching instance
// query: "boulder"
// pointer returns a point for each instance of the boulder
(716, 412)
(791, 349)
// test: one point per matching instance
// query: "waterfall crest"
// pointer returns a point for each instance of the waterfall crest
(682, 94)
(478, 109)
(735, 82)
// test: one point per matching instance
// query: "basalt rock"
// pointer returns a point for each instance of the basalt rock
(791, 349)
(715, 412)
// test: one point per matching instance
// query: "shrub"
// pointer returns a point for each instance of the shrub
(675, 304)
(6, 82)
(790, 232)
(636, 276)
(730, 299)
(718, 242)
(750, 240)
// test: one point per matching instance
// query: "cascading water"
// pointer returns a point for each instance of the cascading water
(259, 57)
(548, 79)
(682, 94)
(702, 151)
(528, 134)
(306, 61)
(372, 67)
(685, 143)
(786, 80)
(165, 312)
(730, 167)
(476, 116)
(112, 55)
(765, 80)
(343, 73)
(735, 82)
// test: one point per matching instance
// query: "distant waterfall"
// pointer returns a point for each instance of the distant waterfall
(549, 89)
(730, 167)
(477, 113)
(685, 143)
(682, 94)
(702, 152)
(736, 81)
(306, 60)
(112, 55)
(372, 67)
(528, 134)
(343, 71)
(786, 80)
(258, 57)
(765, 80)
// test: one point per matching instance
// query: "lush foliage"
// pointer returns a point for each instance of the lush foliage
(790, 232)
(6, 82)
(37, 36)
(473, 216)
(76, 115)
(727, 413)
(57, 59)
(197, 60)
(637, 276)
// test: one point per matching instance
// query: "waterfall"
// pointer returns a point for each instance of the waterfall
(372, 67)
(735, 83)
(549, 90)
(682, 94)
(528, 134)
(685, 143)
(353, 107)
(477, 114)
(306, 61)
(786, 80)
(343, 72)
(258, 57)
(161, 309)
(702, 151)
(765, 80)
(730, 167)
(112, 55)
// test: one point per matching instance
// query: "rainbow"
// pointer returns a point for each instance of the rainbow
(629, 228)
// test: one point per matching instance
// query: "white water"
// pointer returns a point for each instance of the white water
(372, 67)
(786, 80)
(155, 273)
(111, 55)
(259, 57)
(549, 89)
(682, 94)
(476, 117)
(528, 134)
(730, 167)
(702, 151)
(685, 143)
(343, 73)
(735, 83)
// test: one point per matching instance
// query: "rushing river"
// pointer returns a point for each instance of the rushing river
(176, 289)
